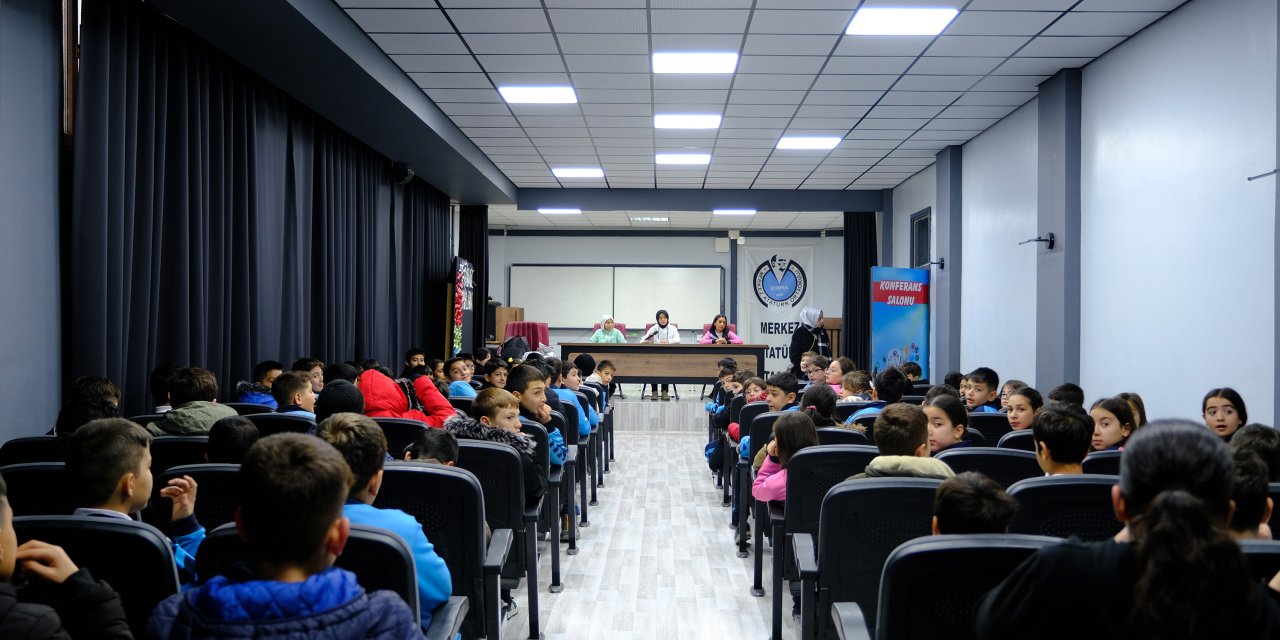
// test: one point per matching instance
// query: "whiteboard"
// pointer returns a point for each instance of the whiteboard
(563, 296)
(691, 295)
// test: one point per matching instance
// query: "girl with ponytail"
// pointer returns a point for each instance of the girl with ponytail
(819, 403)
(1172, 573)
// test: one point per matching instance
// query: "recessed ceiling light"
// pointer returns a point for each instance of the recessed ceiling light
(538, 95)
(808, 142)
(558, 211)
(682, 158)
(677, 62)
(578, 172)
(877, 21)
(734, 212)
(648, 219)
(686, 121)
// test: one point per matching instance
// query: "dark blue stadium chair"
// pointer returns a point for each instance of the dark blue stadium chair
(172, 451)
(1065, 506)
(249, 408)
(1021, 440)
(269, 424)
(838, 435)
(992, 425)
(1105, 463)
(1005, 466)
(40, 489)
(34, 449)
(400, 433)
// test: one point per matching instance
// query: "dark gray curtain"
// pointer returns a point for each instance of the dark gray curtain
(473, 246)
(859, 257)
(216, 222)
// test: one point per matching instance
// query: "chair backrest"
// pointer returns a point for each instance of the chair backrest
(497, 468)
(569, 418)
(542, 446)
(620, 326)
(761, 431)
(249, 408)
(584, 399)
(1065, 506)
(400, 433)
(862, 522)
(992, 425)
(706, 326)
(1021, 440)
(1263, 557)
(269, 424)
(916, 400)
(931, 586)
(380, 559)
(839, 435)
(134, 558)
(974, 437)
(1005, 466)
(921, 387)
(35, 449)
(649, 325)
(461, 403)
(172, 451)
(217, 495)
(735, 406)
(1106, 463)
(846, 409)
(40, 489)
(147, 418)
(811, 472)
(449, 504)
(748, 413)
(868, 423)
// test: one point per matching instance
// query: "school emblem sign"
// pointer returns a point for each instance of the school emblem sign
(780, 282)
(773, 286)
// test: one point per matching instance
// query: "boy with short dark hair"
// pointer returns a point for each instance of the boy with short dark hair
(434, 446)
(782, 389)
(230, 439)
(413, 358)
(109, 461)
(603, 374)
(972, 503)
(528, 385)
(1069, 393)
(495, 374)
(338, 396)
(497, 419)
(1263, 441)
(912, 371)
(71, 604)
(294, 396)
(983, 393)
(952, 379)
(902, 436)
(364, 446)
(258, 389)
(1249, 492)
(887, 389)
(194, 392)
(1063, 436)
(159, 383)
(291, 515)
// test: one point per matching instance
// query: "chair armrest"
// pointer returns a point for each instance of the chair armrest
(496, 554)
(446, 619)
(555, 475)
(571, 455)
(849, 622)
(777, 513)
(531, 512)
(806, 557)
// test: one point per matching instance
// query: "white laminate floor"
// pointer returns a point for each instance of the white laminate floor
(658, 560)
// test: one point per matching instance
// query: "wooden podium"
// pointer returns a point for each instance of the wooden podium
(503, 315)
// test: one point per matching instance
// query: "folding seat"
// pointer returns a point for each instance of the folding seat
(172, 451)
(760, 429)
(217, 494)
(1005, 466)
(461, 403)
(1065, 506)
(837, 435)
(1105, 463)
(269, 424)
(34, 449)
(1263, 557)
(249, 408)
(1022, 440)
(40, 489)
(400, 433)
(992, 425)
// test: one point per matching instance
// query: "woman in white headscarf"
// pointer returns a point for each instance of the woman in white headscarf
(608, 333)
(809, 336)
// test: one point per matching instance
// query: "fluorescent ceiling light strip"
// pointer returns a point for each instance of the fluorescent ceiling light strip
(558, 211)
(578, 172)
(695, 62)
(686, 121)
(538, 95)
(682, 158)
(734, 212)
(883, 21)
(649, 219)
(808, 142)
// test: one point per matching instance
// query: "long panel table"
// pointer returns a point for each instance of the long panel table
(667, 363)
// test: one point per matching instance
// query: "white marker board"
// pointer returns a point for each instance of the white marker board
(691, 295)
(574, 296)
(563, 296)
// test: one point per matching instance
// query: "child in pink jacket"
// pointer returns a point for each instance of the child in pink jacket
(792, 432)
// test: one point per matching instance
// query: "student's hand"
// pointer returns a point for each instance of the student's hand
(182, 491)
(664, 341)
(721, 341)
(772, 449)
(544, 414)
(45, 560)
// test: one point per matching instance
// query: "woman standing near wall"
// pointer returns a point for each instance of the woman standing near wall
(810, 336)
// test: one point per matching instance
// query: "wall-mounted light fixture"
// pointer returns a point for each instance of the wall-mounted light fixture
(1047, 238)
(941, 262)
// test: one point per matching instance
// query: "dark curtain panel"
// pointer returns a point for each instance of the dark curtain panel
(859, 257)
(216, 222)
(473, 246)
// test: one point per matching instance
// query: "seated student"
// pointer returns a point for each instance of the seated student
(434, 446)
(1069, 393)
(1263, 441)
(294, 396)
(229, 439)
(1061, 434)
(258, 389)
(1249, 493)
(819, 403)
(716, 402)
(483, 357)
(791, 433)
(836, 371)
(109, 462)
(386, 398)
(459, 378)
(912, 371)
(90, 398)
(311, 369)
(603, 375)
(495, 374)
(195, 405)
(855, 386)
(497, 419)
(413, 358)
(753, 390)
(782, 389)
(1010, 387)
(292, 519)
(341, 371)
(1174, 572)
(470, 361)
(902, 436)
(1136, 405)
(972, 503)
(953, 379)
(572, 381)
(364, 446)
(943, 390)
(984, 384)
(550, 368)
(338, 396)
(608, 332)
(719, 333)
(948, 422)
(59, 600)
(159, 384)
(1112, 424)
(435, 367)
(889, 387)
(1224, 412)
(1022, 408)
(559, 387)
(528, 384)
(729, 390)
(816, 373)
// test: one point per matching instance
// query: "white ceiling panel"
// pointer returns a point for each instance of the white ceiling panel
(464, 95)
(608, 63)
(995, 98)
(1110, 23)
(451, 80)
(612, 43)
(401, 20)
(412, 63)
(600, 21)
(505, 21)
(936, 83)
(882, 45)
(955, 66)
(788, 45)
(497, 64)
(780, 64)
(1039, 66)
(1070, 47)
(767, 81)
(808, 21)
(420, 43)
(1001, 23)
(1129, 5)
(512, 43)
(996, 46)
(832, 82)
(700, 21)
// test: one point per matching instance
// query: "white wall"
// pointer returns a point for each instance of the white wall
(918, 192)
(1177, 247)
(998, 306)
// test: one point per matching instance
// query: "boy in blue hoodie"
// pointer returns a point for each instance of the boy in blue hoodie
(361, 441)
(293, 395)
(291, 515)
(888, 387)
